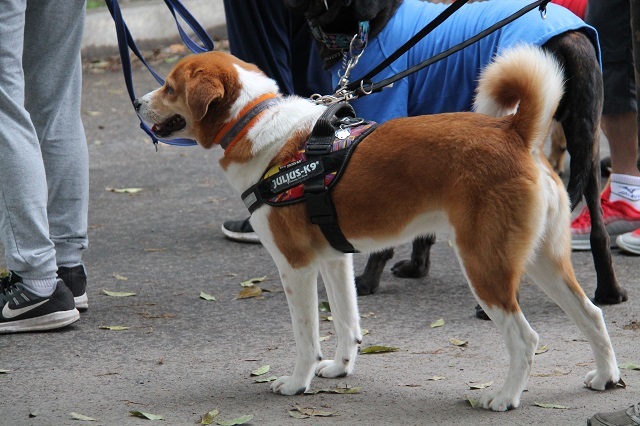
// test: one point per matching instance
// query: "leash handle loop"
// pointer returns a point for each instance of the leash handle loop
(207, 43)
(126, 43)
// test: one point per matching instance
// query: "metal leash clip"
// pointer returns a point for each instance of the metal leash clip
(356, 49)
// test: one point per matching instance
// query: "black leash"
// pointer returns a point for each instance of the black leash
(365, 86)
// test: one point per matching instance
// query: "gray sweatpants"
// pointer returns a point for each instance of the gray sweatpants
(44, 175)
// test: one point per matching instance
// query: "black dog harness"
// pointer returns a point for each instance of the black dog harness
(314, 171)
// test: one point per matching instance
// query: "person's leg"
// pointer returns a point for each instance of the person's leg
(621, 199)
(24, 229)
(53, 100)
(259, 33)
(30, 298)
(630, 242)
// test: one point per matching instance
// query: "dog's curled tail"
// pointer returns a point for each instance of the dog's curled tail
(525, 80)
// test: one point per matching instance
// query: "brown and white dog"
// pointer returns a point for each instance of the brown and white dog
(450, 163)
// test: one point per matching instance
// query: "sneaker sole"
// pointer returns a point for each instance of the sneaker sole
(45, 322)
(243, 237)
(585, 245)
(631, 248)
(82, 302)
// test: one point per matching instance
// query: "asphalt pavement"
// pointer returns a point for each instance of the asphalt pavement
(182, 356)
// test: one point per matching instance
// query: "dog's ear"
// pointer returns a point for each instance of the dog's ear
(201, 91)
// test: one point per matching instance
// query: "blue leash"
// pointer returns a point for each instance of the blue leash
(126, 42)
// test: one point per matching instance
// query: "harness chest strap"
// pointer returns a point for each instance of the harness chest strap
(310, 176)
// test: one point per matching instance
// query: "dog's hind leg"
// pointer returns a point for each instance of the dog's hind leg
(369, 281)
(494, 277)
(418, 265)
(300, 287)
(337, 275)
(556, 278)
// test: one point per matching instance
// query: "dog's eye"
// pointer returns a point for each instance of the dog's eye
(169, 89)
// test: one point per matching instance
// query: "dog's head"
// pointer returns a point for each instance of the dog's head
(200, 94)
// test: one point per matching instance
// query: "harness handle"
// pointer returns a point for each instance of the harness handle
(126, 43)
(365, 86)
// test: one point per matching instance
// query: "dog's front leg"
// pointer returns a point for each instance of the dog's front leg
(338, 278)
(300, 286)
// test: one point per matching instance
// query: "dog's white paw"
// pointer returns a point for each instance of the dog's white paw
(332, 369)
(497, 401)
(601, 381)
(285, 385)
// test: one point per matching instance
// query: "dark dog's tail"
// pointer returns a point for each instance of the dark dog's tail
(527, 81)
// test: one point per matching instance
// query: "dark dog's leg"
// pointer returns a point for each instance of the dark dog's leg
(369, 281)
(418, 265)
(579, 112)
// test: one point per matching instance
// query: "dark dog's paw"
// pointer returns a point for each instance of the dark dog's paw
(610, 297)
(481, 314)
(409, 269)
(364, 286)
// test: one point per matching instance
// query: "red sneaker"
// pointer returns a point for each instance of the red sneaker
(630, 241)
(619, 218)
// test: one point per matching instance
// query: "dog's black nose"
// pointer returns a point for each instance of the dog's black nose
(137, 104)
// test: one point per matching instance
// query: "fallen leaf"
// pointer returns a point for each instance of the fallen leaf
(207, 418)
(113, 327)
(266, 379)
(118, 293)
(297, 414)
(147, 416)
(34, 413)
(438, 323)
(436, 378)
(124, 190)
(365, 331)
(252, 281)
(473, 402)
(457, 342)
(367, 315)
(261, 370)
(78, 416)
(629, 366)
(479, 385)
(237, 421)
(206, 296)
(324, 307)
(249, 292)
(315, 413)
(542, 349)
(120, 277)
(4, 371)
(376, 349)
(326, 318)
(559, 407)
(325, 338)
